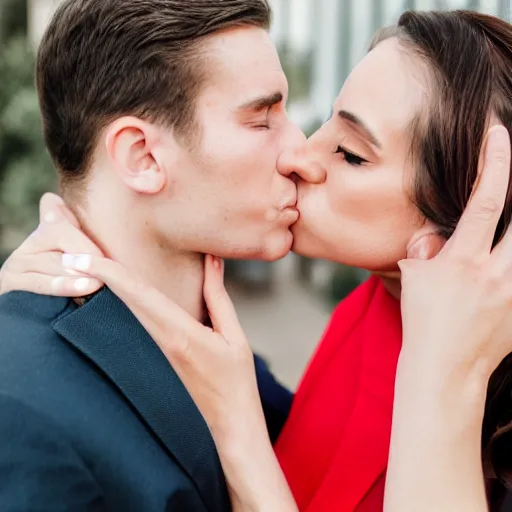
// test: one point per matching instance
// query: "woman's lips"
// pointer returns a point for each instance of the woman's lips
(291, 214)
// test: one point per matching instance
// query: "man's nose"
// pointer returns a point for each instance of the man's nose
(296, 162)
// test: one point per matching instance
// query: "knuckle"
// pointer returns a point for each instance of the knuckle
(468, 263)
(487, 209)
(500, 157)
(492, 282)
(495, 281)
(181, 351)
(138, 291)
(57, 259)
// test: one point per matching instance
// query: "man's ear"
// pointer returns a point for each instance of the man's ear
(131, 145)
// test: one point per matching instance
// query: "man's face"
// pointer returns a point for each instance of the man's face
(226, 195)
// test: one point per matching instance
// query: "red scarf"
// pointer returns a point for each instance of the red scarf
(334, 447)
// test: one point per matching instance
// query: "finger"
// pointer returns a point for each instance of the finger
(475, 231)
(49, 207)
(219, 304)
(59, 235)
(46, 263)
(58, 230)
(409, 269)
(49, 285)
(52, 206)
(502, 253)
(170, 326)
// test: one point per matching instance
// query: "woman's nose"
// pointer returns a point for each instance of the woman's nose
(297, 162)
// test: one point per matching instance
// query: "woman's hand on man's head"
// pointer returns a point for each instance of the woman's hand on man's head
(457, 328)
(37, 265)
(457, 296)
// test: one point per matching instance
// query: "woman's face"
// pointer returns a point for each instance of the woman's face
(362, 214)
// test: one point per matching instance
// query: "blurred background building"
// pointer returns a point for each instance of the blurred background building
(283, 306)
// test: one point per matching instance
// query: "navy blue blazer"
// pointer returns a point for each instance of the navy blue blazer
(93, 418)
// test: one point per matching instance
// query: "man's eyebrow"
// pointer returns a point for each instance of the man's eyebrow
(262, 102)
(352, 118)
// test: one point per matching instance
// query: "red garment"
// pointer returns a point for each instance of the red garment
(334, 447)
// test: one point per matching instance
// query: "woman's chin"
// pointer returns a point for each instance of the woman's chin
(305, 244)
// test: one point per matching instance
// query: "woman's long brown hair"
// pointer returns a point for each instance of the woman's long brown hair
(468, 59)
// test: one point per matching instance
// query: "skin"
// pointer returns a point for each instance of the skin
(440, 387)
(232, 194)
(361, 215)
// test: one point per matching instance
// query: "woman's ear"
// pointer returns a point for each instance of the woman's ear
(426, 242)
(130, 144)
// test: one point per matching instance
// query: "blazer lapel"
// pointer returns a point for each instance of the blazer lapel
(106, 332)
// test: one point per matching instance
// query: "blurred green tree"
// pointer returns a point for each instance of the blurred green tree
(13, 19)
(26, 170)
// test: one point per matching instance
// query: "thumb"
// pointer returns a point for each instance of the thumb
(52, 209)
(219, 304)
(49, 207)
(409, 267)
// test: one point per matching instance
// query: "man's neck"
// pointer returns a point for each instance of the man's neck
(178, 275)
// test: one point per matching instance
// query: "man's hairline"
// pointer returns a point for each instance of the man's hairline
(190, 137)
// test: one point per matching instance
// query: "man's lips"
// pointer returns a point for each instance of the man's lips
(291, 213)
(291, 203)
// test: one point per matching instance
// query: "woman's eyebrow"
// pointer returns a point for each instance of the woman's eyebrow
(353, 119)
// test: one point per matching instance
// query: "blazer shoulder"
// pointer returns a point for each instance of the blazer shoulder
(39, 466)
(20, 303)
(24, 314)
(35, 358)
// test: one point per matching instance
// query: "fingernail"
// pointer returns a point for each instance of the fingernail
(215, 262)
(82, 284)
(68, 264)
(80, 262)
(50, 217)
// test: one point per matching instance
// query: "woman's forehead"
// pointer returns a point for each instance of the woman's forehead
(384, 90)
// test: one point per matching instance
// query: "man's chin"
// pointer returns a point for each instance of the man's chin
(278, 247)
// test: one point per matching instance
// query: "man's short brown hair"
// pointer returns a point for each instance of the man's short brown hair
(102, 59)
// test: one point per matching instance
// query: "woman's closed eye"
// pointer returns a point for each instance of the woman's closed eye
(351, 158)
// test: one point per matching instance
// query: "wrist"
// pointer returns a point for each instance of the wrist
(437, 428)
(443, 384)
(241, 430)
(253, 475)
